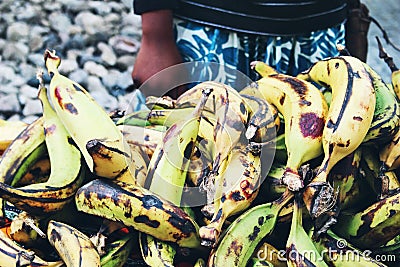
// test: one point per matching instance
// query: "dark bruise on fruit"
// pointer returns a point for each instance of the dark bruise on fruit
(236, 248)
(236, 196)
(218, 216)
(254, 234)
(96, 148)
(55, 236)
(282, 99)
(311, 125)
(58, 96)
(242, 108)
(170, 132)
(146, 220)
(70, 108)
(25, 135)
(297, 85)
(182, 223)
(50, 129)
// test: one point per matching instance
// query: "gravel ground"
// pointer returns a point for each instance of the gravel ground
(98, 41)
(387, 14)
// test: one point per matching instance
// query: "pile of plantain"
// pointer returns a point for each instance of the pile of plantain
(288, 171)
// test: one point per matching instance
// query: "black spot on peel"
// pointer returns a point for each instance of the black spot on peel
(269, 216)
(236, 248)
(71, 108)
(146, 220)
(242, 108)
(297, 85)
(77, 88)
(128, 209)
(337, 65)
(282, 100)
(357, 75)
(236, 196)
(324, 84)
(182, 224)
(330, 124)
(187, 153)
(253, 235)
(357, 118)
(218, 216)
(50, 129)
(260, 220)
(98, 148)
(71, 141)
(392, 213)
(55, 236)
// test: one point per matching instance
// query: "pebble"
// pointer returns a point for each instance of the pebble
(96, 40)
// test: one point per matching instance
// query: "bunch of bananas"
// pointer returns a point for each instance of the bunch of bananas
(288, 171)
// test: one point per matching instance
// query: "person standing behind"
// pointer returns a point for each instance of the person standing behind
(289, 35)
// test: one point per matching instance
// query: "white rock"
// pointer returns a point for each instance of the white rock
(125, 79)
(16, 52)
(8, 89)
(67, 66)
(91, 23)
(30, 119)
(7, 74)
(29, 91)
(100, 7)
(107, 54)
(27, 71)
(124, 44)
(15, 117)
(113, 19)
(105, 100)
(10, 104)
(80, 76)
(35, 43)
(32, 107)
(17, 31)
(111, 79)
(94, 84)
(36, 60)
(125, 61)
(59, 21)
(95, 69)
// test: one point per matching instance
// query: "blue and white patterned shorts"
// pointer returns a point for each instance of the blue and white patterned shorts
(235, 51)
(287, 54)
